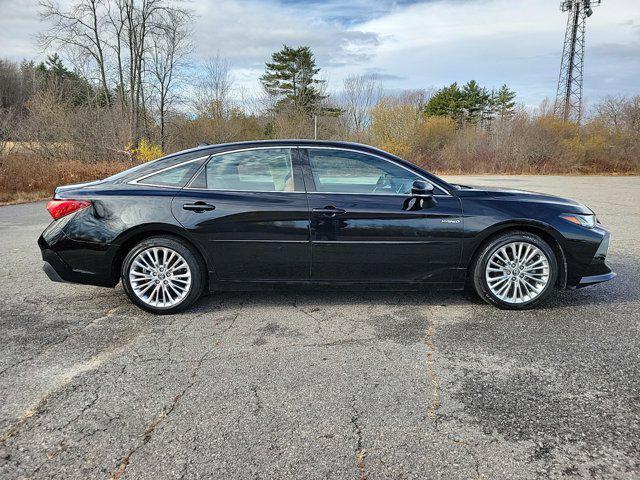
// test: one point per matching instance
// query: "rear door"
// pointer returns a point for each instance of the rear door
(360, 229)
(249, 212)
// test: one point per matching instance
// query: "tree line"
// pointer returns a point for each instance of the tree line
(128, 90)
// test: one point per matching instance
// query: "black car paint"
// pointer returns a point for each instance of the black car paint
(252, 239)
(250, 235)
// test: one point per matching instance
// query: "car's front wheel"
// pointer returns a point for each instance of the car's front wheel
(516, 270)
(163, 275)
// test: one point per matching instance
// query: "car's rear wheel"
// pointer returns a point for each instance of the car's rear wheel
(516, 270)
(163, 275)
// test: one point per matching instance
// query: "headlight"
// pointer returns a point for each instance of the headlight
(588, 221)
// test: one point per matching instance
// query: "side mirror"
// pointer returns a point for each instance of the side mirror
(421, 196)
(422, 189)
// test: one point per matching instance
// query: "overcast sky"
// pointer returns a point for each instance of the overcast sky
(410, 44)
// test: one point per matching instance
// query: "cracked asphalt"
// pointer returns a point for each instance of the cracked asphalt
(326, 384)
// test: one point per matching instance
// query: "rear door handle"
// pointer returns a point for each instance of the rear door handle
(329, 211)
(198, 207)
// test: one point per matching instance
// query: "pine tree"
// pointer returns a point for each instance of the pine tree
(504, 102)
(475, 101)
(74, 87)
(290, 77)
(446, 102)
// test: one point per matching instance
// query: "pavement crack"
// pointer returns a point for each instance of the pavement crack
(150, 430)
(436, 401)
(361, 452)
(258, 400)
(40, 406)
(47, 348)
(308, 314)
(233, 321)
(36, 410)
(479, 476)
(432, 351)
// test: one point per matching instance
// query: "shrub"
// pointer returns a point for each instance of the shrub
(393, 127)
(145, 152)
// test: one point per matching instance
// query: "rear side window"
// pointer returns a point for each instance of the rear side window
(260, 170)
(177, 176)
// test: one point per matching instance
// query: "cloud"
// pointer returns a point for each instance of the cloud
(19, 24)
(501, 41)
(248, 32)
(409, 44)
(381, 74)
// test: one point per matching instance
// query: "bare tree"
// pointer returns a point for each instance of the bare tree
(361, 93)
(142, 18)
(170, 47)
(631, 115)
(146, 38)
(212, 96)
(80, 27)
(116, 19)
(610, 110)
(417, 98)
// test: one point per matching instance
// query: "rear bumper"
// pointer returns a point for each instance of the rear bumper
(55, 268)
(51, 273)
(58, 270)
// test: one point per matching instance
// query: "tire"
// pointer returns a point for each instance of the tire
(495, 262)
(144, 270)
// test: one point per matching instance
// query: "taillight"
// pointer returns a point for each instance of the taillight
(60, 208)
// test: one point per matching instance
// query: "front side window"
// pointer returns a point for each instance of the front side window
(261, 170)
(173, 177)
(341, 171)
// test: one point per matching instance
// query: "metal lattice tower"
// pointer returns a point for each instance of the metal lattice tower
(569, 94)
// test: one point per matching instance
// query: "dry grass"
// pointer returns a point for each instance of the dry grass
(26, 178)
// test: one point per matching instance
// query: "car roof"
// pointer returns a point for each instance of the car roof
(282, 142)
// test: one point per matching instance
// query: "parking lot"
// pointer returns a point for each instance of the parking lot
(325, 384)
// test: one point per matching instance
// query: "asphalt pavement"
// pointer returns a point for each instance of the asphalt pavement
(336, 385)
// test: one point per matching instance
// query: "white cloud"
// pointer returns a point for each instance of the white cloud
(19, 23)
(502, 41)
(248, 31)
(417, 45)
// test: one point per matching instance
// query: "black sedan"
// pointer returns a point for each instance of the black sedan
(305, 213)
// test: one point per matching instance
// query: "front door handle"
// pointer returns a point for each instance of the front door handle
(199, 207)
(329, 211)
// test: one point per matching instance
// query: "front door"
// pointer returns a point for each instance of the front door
(249, 212)
(361, 230)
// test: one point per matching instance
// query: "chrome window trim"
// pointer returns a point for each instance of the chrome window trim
(381, 158)
(162, 170)
(271, 147)
(195, 189)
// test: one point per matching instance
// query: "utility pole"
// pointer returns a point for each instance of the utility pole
(569, 93)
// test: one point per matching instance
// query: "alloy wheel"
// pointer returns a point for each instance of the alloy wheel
(160, 277)
(517, 272)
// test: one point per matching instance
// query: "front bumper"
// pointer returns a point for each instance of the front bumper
(598, 271)
(594, 279)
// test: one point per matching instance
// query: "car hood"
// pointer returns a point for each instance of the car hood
(521, 195)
